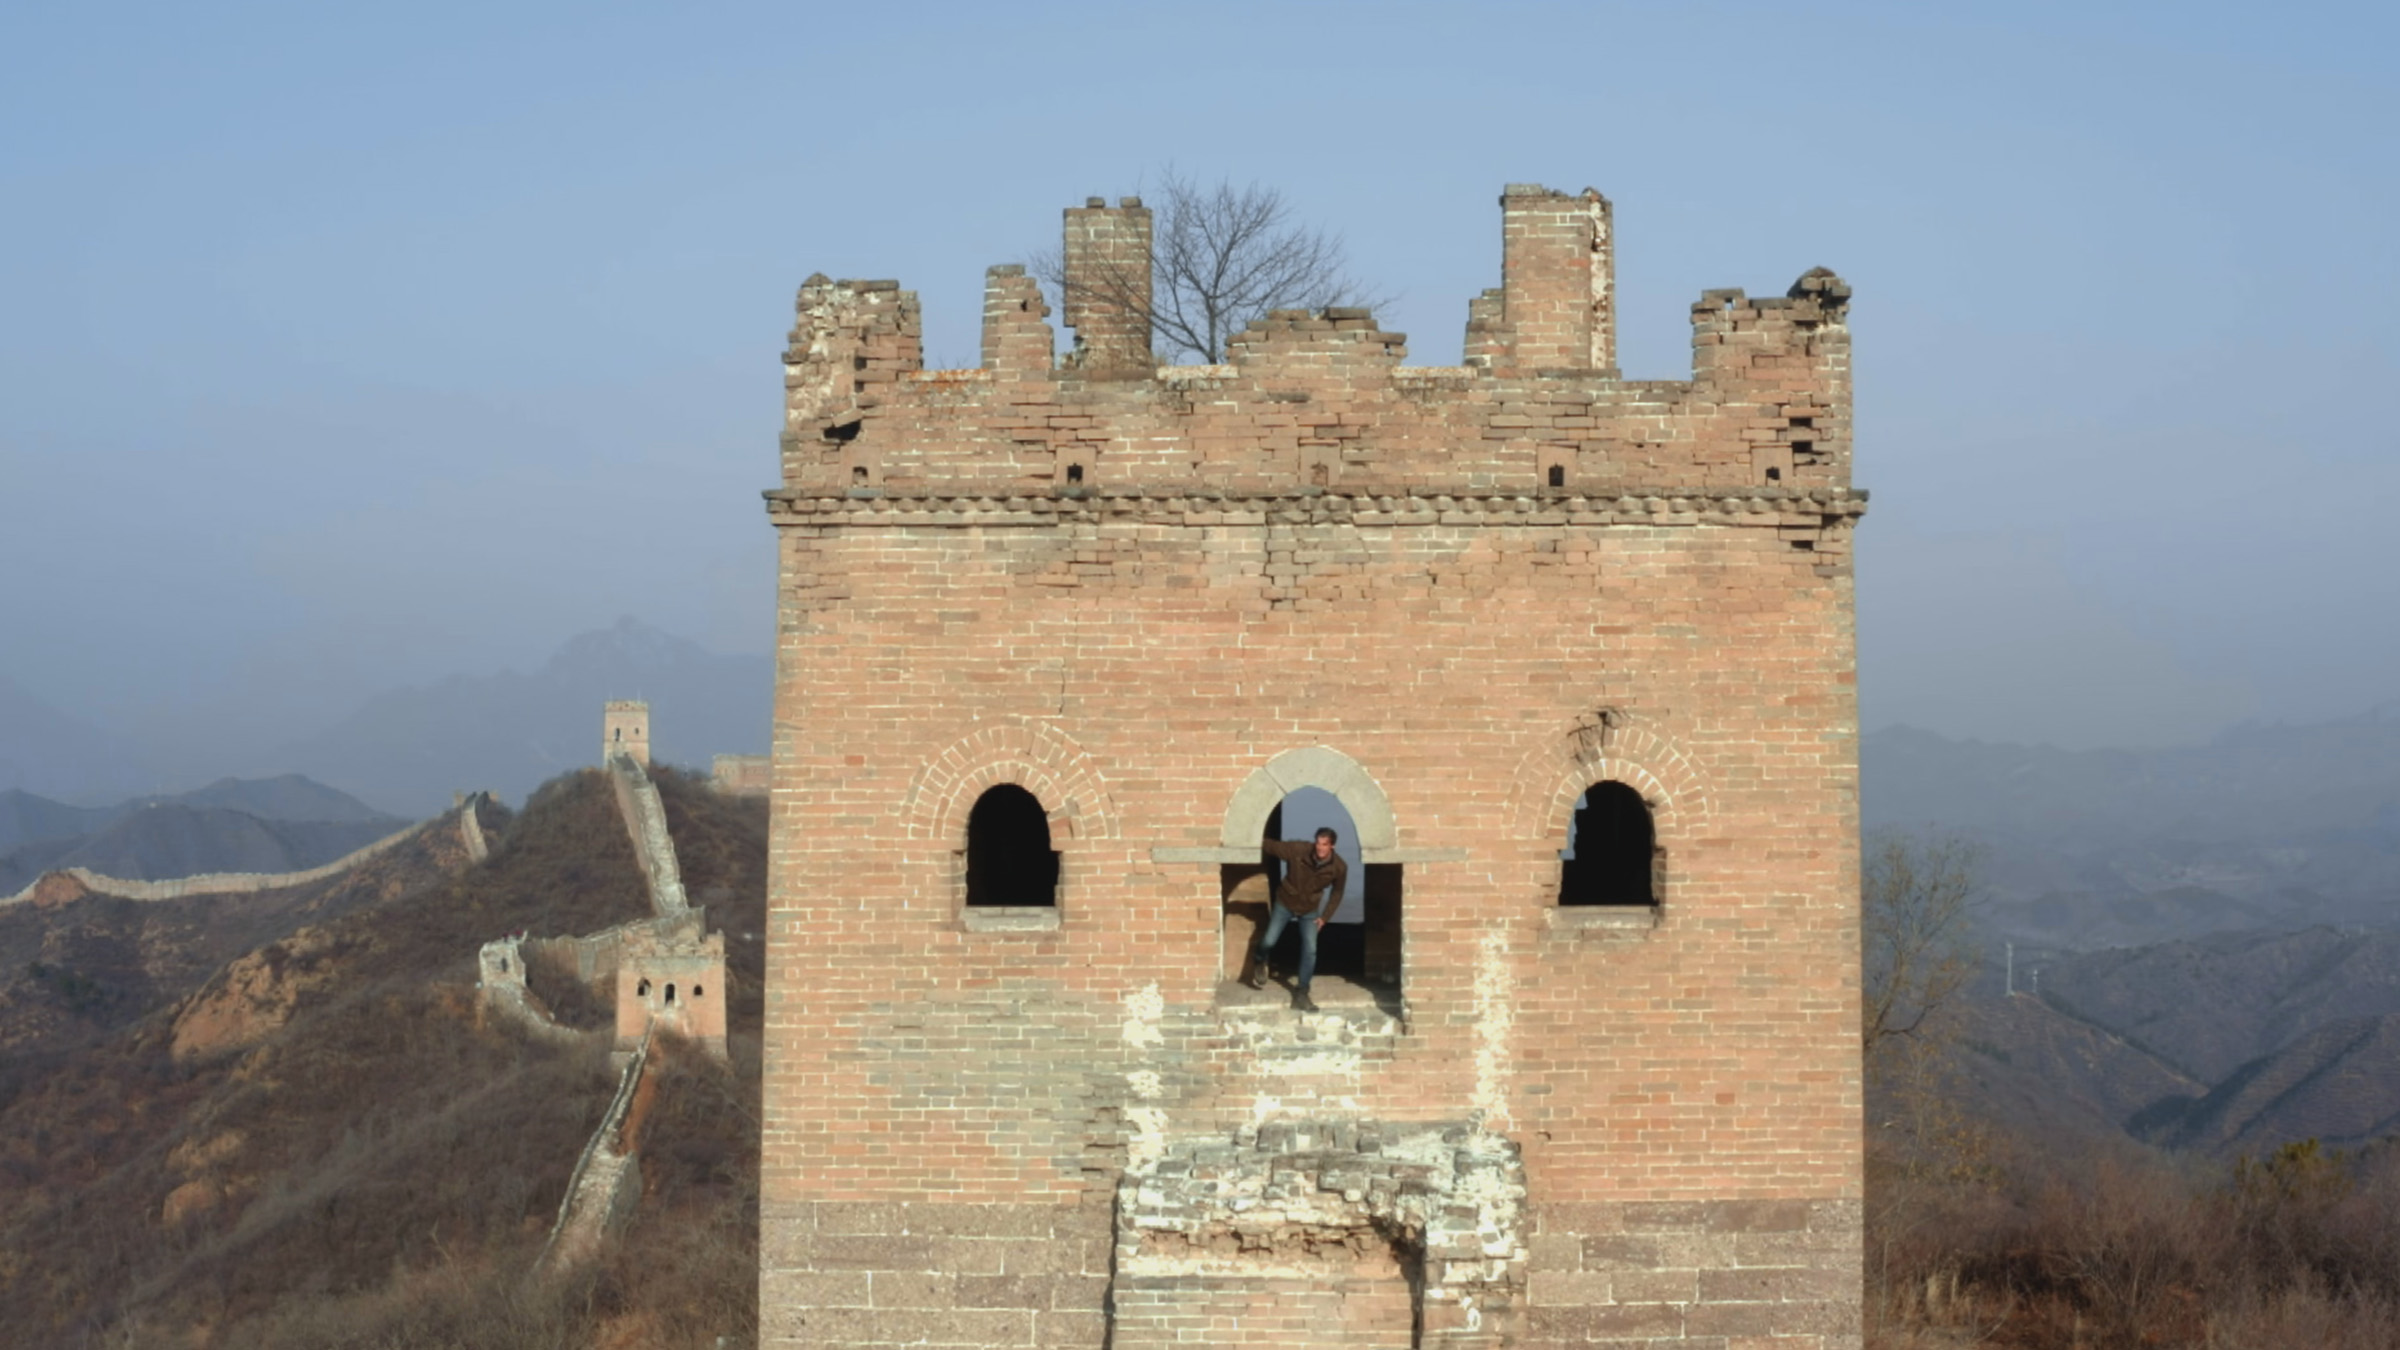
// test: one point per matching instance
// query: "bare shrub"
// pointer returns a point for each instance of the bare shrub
(2304, 1315)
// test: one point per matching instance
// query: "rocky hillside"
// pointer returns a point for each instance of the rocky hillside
(323, 1142)
(2335, 1084)
(2210, 1005)
(2052, 1080)
(2228, 1044)
(76, 966)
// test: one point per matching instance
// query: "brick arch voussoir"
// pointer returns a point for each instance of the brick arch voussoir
(1553, 775)
(1033, 755)
(1318, 766)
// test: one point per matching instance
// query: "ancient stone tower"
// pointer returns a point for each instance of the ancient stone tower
(1569, 656)
(625, 730)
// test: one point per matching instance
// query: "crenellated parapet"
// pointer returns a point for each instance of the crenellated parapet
(1321, 399)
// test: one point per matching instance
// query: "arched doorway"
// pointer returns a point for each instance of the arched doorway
(1359, 955)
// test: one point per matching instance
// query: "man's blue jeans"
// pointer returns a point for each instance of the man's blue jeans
(1277, 918)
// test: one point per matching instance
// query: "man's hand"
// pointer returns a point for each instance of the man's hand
(1320, 923)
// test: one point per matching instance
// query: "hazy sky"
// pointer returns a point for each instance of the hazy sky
(343, 347)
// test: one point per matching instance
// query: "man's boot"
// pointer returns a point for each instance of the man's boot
(1301, 1002)
(1256, 976)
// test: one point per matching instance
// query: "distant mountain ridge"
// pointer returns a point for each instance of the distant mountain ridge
(2260, 827)
(410, 749)
(281, 824)
(2250, 782)
(26, 818)
(44, 748)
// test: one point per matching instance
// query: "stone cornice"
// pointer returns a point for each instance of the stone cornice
(1780, 506)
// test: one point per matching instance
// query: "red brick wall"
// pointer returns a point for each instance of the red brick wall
(1313, 546)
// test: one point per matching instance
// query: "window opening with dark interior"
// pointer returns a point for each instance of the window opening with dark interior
(642, 990)
(1074, 473)
(1558, 475)
(670, 996)
(1009, 858)
(1611, 852)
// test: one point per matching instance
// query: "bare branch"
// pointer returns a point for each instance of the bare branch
(1221, 257)
(1916, 898)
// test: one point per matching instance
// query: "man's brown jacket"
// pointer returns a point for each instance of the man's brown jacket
(1305, 879)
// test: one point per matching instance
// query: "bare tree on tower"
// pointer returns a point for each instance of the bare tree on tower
(1220, 257)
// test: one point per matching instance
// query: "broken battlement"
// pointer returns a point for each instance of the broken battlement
(1320, 399)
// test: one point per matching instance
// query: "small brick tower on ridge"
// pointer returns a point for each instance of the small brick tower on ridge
(1572, 658)
(625, 730)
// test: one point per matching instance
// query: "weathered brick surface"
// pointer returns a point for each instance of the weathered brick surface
(1160, 600)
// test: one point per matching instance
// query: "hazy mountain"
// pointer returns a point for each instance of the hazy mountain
(2209, 1005)
(290, 796)
(46, 750)
(26, 818)
(2339, 1085)
(410, 749)
(2251, 782)
(2260, 827)
(174, 840)
(232, 825)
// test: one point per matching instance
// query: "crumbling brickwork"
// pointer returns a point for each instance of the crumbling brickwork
(739, 775)
(1455, 599)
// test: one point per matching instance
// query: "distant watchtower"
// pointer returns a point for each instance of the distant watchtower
(1567, 658)
(625, 730)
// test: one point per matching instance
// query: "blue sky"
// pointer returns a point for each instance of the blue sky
(345, 348)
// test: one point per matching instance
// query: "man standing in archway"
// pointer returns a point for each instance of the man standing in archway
(1313, 877)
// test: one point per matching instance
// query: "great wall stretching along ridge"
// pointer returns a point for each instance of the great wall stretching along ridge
(1574, 654)
(69, 881)
(666, 972)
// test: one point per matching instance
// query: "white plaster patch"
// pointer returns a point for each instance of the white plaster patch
(1495, 1018)
(1149, 1141)
(1145, 1009)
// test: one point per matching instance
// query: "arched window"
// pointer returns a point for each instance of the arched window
(1009, 858)
(1611, 850)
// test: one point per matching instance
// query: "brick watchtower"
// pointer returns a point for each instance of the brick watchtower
(625, 730)
(1569, 657)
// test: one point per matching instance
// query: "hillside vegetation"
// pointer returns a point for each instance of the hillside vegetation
(326, 1143)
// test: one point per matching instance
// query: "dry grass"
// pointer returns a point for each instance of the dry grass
(2135, 1251)
(382, 1171)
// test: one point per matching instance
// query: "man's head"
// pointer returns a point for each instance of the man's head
(1325, 840)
